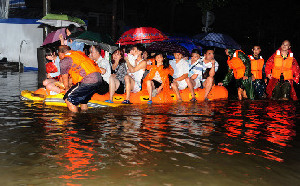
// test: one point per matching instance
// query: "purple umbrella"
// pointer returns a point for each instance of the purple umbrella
(54, 36)
(168, 47)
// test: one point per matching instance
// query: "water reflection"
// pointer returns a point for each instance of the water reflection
(205, 143)
(251, 125)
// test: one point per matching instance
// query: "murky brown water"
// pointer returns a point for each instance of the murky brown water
(214, 143)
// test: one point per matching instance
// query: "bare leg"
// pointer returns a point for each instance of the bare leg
(83, 107)
(71, 107)
(114, 84)
(208, 83)
(191, 83)
(50, 85)
(174, 86)
(150, 87)
(129, 85)
(244, 94)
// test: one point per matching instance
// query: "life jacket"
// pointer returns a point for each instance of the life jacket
(51, 68)
(257, 66)
(283, 66)
(164, 75)
(237, 65)
(81, 62)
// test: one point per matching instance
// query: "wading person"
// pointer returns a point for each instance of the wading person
(258, 73)
(85, 74)
(282, 69)
(239, 67)
(104, 65)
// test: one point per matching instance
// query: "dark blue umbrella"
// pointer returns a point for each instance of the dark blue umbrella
(185, 42)
(216, 40)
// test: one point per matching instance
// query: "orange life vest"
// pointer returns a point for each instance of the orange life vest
(237, 65)
(164, 77)
(283, 66)
(81, 62)
(257, 66)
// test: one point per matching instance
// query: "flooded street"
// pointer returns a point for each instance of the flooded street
(205, 143)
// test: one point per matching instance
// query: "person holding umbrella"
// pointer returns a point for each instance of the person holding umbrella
(71, 32)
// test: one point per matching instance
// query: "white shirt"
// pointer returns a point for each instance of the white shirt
(103, 63)
(207, 65)
(195, 68)
(180, 68)
(138, 75)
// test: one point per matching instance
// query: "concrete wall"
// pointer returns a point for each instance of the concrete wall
(12, 32)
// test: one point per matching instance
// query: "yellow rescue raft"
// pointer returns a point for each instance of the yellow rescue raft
(42, 95)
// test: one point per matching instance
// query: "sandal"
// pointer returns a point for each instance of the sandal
(193, 100)
(126, 102)
(206, 99)
(149, 102)
(109, 101)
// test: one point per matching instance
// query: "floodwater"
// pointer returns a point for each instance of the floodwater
(213, 143)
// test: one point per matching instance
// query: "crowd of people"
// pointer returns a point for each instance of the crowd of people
(132, 69)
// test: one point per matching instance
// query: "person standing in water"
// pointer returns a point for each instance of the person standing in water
(282, 69)
(239, 67)
(85, 74)
(258, 73)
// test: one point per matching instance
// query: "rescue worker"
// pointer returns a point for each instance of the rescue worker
(258, 73)
(239, 66)
(282, 69)
(85, 74)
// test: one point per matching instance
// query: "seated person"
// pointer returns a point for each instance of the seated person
(53, 72)
(117, 77)
(158, 77)
(195, 72)
(181, 70)
(135, 73)
(71, 32)
(85, 74)
(95, 54)
(209, 68)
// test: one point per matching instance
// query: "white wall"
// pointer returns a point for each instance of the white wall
(11, 36)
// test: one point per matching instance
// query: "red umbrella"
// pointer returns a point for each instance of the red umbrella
(141, 35)
(54, 36)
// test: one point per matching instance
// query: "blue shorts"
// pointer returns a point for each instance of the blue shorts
(81, 93)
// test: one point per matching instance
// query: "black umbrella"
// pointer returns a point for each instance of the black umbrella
(168, 47)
